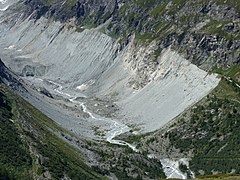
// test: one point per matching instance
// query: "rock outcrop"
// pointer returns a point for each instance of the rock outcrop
(150, 89)
(204, 32)
(9, 79)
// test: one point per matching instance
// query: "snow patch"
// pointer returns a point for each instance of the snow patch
(11, 47)
(85, 86)
(3, 1)
(5, 8)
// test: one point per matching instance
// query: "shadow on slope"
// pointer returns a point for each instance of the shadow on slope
(30, 148)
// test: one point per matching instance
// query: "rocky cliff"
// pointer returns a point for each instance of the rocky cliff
(133, 75)
(8, 78)
(110, 67)
(204, 32)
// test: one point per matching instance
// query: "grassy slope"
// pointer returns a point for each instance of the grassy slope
(157, 10)
(211, 129)
(151, 24)
(219, 176)
(30, 147)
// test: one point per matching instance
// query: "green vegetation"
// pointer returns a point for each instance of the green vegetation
(220, 176)
(15, 160)
(232, 3)
(49, 2)
(217, 27)
(211, 130)
(69, 3)
(144, 3)
(127, 164)
(146, 37)
(182, 22)
(158, 10)
(151, 167)
(105, 16)
(31, 147)
(153, 19)
(233, 72)
(145, 14)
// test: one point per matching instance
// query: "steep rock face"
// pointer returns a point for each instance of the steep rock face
(204, 32)
(149, 81)
(9, 79)
(84, 10)
(131, 75)
(172, 87)
(27, 138)
(51, 50)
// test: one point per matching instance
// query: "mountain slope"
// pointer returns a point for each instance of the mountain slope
(45, 150)
(90, 63)
(205, 32)
(103, 68)
(30, 144)
(206, 134)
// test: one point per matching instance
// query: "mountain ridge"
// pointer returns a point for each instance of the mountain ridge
(185, 26)
(100, 68)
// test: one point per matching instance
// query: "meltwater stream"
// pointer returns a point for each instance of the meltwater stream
(170, 167)
(116, 127)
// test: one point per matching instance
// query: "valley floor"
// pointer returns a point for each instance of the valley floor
(128, 113)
